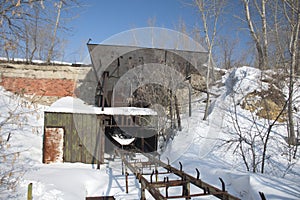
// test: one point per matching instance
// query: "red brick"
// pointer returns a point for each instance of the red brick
(43, 87)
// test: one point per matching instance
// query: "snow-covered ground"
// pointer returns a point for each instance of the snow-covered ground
(201, 144)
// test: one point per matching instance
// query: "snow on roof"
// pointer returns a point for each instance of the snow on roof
(123, 141)
(75, 105)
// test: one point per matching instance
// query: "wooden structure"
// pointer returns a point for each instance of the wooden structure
(87, 127)
(75, 132)
(111, 62)
(79, 133)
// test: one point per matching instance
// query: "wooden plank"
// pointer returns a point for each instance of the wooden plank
(67, 137)
(102, 140)
(78, 121)
(88, 132)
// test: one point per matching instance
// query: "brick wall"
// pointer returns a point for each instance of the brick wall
(43, 87)
(42, 83)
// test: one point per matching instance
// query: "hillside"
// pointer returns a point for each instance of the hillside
(225, 145)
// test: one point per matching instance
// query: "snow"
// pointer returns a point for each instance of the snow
(123, 141)
(75, 105)
(38, 61)
(199, 145)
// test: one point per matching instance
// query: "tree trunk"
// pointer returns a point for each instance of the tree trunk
(294, 51)
(261, 49)
(265, 36)
(50, 52)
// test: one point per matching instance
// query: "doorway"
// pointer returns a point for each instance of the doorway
(53, 145)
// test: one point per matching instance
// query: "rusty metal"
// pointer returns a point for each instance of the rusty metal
(151, 176)
(180, 166)
(156, 174)
(184, 181)
(262, 196)
(198, 174)
(126, 180)
(223, 184)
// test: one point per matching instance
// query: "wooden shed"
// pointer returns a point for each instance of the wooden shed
(76, 132)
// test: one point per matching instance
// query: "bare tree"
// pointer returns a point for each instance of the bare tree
(227, 48)
(259, 35)
(292, 14)
(210, 12)
(23, 26)
(14, 113)
(53, 38)
(251, 135)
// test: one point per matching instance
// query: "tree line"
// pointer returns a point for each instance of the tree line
(29, 28)
(273, 27)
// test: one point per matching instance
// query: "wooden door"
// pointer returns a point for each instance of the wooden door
(53, 145)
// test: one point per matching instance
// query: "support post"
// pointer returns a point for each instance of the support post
(122, 167)
(187, 189)
(29, 194)
(167, 194)
(104, 86)
(177, 113)
(156, 174)
(143, 197)
(190, 98)
(126, 181)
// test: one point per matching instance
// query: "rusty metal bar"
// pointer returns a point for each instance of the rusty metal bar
(180, 166)
(151, 176)
(156, 174)
(126, 181)
(153, 191)
(197, 182)
(185, 182)
(223, 184)
(262, 196)
(192, 195)
(171, 183)
(198, 174)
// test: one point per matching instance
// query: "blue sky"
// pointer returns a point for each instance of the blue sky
(101, 19)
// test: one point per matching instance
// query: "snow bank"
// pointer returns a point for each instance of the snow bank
(244, 80)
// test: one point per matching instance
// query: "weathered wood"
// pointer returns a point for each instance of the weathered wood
(80, 131)
(29, 193)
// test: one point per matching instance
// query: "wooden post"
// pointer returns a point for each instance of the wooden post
(104, 86)
(102, 143)
(156, 174)
(126, 180)
(177, 113)
(186, 190)
(122, 167)
(29, 194)
(143, 197)
(167, 194)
